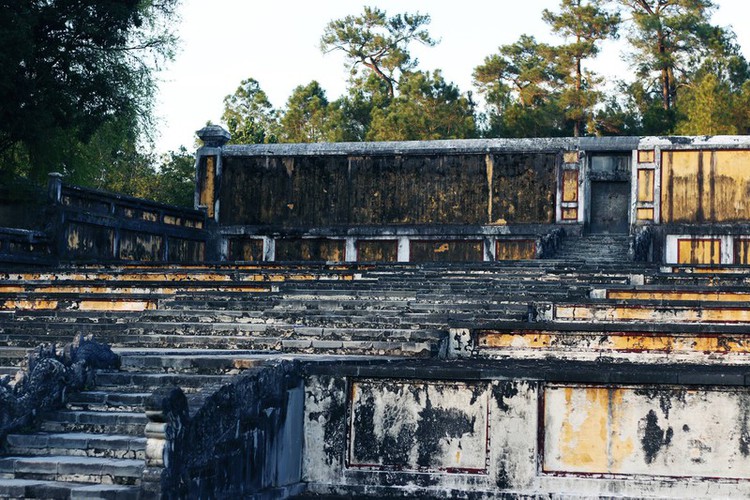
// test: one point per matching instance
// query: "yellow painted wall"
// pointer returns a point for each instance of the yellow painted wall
(699, 251)
(705, 186)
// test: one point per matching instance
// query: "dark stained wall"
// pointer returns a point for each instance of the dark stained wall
(398, 189)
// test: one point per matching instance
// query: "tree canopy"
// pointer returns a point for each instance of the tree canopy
(77, 86)
(74, 69)
(582, 24)
(378, 42)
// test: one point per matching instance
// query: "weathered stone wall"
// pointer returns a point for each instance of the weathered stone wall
(537, 429)
(91, 225)
(245, 441)
(445, 188)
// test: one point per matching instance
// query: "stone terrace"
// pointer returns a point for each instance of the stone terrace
(196, 327)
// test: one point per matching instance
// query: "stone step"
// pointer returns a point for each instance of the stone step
(151, 381)
(9, 371)
(72, 468)
(129, 423)
(33, 488)
(651, 312)
(77, 444)
(108, 400)
(348, 341)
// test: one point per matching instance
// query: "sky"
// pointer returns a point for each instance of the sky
(276, 42)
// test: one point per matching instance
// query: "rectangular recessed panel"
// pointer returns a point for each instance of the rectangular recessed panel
(715, 313)
(570, 214)
(570, 157)
(446, 251)
(699, 251)
(207, 184)
(318, 249)
(182, 250)
(377, 250)
(742, 251)
(588, 342)
(247, 249)
(705, 186)
(90, 241)
(663, 431)
(419, 426)
(645, 185)
(141, 246)
(645, 214)
(570, 185)
(646, 156)
(515, 249)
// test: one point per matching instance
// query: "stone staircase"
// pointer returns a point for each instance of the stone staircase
(197, 327)
(595, 248)
(95, 446)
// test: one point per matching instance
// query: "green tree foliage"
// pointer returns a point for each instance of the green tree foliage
(377, 42)
(72, 69)
(521, 86)
(427, 107)
(365, 95)
(582, 24)
(176, 178)
(249, 115)
(307, 116)
(667, 37)
(708, 106)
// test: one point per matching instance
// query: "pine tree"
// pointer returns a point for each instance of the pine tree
(583, 24)
(667, 37)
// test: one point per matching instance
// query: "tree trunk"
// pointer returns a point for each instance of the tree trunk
(579, 86)
(381, 75)
(666, 84)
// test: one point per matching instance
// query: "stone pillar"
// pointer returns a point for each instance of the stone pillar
(54, 187)
(55, 225)
(208, 167)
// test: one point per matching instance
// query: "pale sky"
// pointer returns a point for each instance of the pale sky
(277, 43)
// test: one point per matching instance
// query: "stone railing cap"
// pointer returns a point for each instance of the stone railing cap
(214, 136)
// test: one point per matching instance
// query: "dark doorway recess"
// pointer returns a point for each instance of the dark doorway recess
(610, 204)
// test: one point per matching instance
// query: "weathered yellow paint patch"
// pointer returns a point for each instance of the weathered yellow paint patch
(646, 156)
(645, 214)
(570, 185)
(741, 251)
(515, 249)
(516, 340)
(584, 429)
(644, 313)
(620, 448)
(207, 193)
(590, 429)
(719, 344)
(29, 305)
(699, 251)
(444, 247)
(705, 186)
(377, 250)
(679, 295)
(489, 170)
(570, 157)
(645, 185)
(570, 214)
(119, 305)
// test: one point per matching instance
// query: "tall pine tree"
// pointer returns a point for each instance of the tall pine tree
(583, 23)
